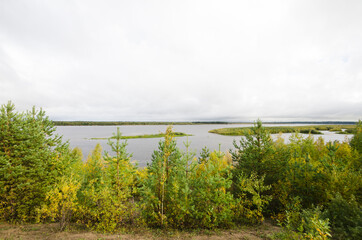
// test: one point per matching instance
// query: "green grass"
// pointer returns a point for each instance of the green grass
(30, 229)
(347, 131)
(313, 129)
(159, 135)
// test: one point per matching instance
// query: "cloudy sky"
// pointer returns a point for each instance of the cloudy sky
(183, 60)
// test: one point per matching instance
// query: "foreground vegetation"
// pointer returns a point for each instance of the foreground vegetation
(312, 189)
(158, 135)
(310, 129)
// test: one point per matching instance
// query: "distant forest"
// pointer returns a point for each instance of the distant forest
(113, 123)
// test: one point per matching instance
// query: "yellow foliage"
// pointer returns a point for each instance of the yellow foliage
(61, 202)
(216, 162)
(344, 151)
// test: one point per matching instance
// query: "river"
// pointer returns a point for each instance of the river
(142, 148)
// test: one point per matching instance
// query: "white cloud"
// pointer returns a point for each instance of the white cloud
(188, 60)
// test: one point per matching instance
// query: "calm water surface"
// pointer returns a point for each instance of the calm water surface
(142, 149)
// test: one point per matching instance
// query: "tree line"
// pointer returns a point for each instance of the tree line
(115, 123)
(310, 188)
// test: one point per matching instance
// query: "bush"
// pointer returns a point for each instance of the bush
(250, 199)
(182, 192)
(345, 217)
(310, 131)
(61, 203)
(314, 226)
(105, 200)
(304, 224)
(211, 202)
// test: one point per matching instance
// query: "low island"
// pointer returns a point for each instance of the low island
(309, 129)
(158, 135)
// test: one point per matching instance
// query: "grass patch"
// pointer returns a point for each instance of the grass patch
(310, 131)
(5, 228)
(347, 131)
(159, 135)
(315, 129)
(30, 229)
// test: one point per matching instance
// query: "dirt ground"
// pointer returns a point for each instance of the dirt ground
(50, 232)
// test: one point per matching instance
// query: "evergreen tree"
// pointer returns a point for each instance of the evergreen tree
(120, 170)
(253, 151)
(164, 192)
(256, 169)
(121, 175)
(32, 160)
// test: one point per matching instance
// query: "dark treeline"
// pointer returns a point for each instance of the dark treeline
(310, 188)
(115, 123)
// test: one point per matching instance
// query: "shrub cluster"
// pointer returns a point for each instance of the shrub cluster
(311, 188)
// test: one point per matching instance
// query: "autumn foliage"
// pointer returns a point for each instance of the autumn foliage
(309, 187)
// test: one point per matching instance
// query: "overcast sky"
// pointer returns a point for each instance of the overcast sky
(183, 60)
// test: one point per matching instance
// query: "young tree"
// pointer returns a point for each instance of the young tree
(32, 160)
(163, 192)
(96, 208)
(253, 151)
(211, 202)
(119, 169)
(122, 176)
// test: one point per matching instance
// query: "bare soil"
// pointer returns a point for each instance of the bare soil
(51, 232)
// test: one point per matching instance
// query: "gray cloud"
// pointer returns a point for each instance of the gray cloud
(189, 60)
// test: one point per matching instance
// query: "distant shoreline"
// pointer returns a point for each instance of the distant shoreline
(116, 123)
(307, 129)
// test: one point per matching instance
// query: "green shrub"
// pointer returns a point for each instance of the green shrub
(349, 131)
(314, 226)
(182, 192)
(356, 141)
(211, 202)
(61, 203)
(345, 217)
(250, 199)
(105, 198)
(310, 131)
(304, 224)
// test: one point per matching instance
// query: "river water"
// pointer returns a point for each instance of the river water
(142, 148)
